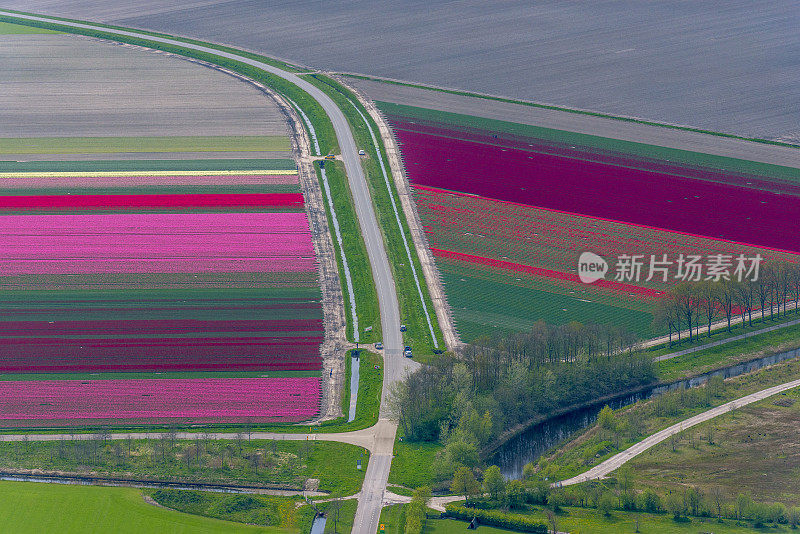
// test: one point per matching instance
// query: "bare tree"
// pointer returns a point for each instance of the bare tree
(709, 294)
(764, 288)
(718, 498)
(334, 510)
(727, 297)
(744, 298)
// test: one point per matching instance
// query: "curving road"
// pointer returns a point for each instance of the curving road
(395, 364)
(618, 460)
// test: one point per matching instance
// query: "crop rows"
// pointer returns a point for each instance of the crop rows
(158, 401)
(507, 216)
(167, 271)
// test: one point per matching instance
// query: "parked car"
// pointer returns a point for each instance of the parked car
(402, 328)
(407, 352)
(378, 346)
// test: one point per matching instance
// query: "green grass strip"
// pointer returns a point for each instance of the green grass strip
(222, 48)
(7, 28)
(673, 155)
(356, 253)
(106, 145)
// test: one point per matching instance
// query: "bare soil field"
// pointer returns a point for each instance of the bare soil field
(72, 86)
(580, 123)
(726, 66)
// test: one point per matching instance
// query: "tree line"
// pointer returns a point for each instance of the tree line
(466, 401)
(689, 305)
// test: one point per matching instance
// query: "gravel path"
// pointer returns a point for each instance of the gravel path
(618, 460)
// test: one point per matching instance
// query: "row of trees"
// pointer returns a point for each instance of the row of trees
(689, 305)
(491, 490)
(466, 402)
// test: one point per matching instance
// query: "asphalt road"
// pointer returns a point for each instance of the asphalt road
(395, 364)
(618, 460)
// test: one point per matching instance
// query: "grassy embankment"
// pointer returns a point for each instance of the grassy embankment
(33, 508)
(590, 521)
(411, 311)
(7, 28)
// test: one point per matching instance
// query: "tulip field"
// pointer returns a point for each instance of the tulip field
(159, 271)
(508, 212)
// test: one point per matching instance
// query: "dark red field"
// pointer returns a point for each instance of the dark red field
(604, 190)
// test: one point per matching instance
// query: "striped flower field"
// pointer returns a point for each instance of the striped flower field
(166, 270)
(158, 401)
(507, 214)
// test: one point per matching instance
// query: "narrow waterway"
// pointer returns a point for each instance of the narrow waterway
(355, 364)
(528, 446)
(318, 525)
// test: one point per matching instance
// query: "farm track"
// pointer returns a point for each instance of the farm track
(379, 439)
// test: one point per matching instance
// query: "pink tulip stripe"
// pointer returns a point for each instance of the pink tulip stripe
(203, 400)
(157, 243)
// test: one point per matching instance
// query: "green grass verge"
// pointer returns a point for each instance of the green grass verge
(370, 387)
(101, 145)
(393, 518)
(417, 334)
(27, 507)
(320, 121)
(262, 510)
(345, 516)
(590, 521)
(643, 150)
(718, 334)
(356, 252)
(591, 446)
(411, 464)
(7, 28)
(249, 462)
(571, 110)
(702, 361)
